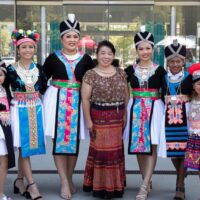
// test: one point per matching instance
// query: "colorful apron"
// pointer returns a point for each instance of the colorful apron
(176, 129)
(141, 113)
(66, 139)
(31, 123)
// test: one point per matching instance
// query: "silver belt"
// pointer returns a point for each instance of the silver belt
(109, 104)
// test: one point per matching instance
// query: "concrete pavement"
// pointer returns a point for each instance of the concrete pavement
(163, 181)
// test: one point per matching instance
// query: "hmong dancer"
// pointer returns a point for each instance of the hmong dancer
(26, 81)
(145, 110)
(7, 157)
(63, 117)
(176, 90)
(105, 96)
(192, 153)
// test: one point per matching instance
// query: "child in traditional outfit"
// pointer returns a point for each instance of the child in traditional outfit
(192, 154)
(7, 158)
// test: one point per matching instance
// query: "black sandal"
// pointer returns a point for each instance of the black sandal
(16, 189)
(28, 195)
(182, 190)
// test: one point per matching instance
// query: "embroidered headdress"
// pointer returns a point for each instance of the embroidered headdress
(143, 37)
(20, 36)
(175, 50)
(71, 24)
(194, 70)
(3, 66)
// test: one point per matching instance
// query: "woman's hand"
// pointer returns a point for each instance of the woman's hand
(124, 119)
(91, 129)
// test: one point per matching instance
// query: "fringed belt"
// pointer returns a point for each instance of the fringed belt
(26, 99)
(177, 99)
(66, 84)
(146, 93)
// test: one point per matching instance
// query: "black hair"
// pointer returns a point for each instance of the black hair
(105, 43)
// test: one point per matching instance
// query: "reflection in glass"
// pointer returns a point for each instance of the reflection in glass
(7, 52)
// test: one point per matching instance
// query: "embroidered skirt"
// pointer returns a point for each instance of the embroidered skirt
(176, 129)
(105, 166)
(192, 153)
(27, 123)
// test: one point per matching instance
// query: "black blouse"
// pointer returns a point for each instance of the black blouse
(55, 69)
(17, 85)
(154, 82)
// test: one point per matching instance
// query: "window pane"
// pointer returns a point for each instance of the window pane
(94, 24)
(7, 52)
(124, 22)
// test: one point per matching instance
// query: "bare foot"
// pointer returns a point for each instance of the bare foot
(72, 187)
(65, 192)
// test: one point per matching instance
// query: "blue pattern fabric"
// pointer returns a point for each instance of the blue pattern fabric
(140, 137)
(24, 120)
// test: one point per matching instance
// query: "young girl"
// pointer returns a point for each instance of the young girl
(26, 80)
(7, 157)
(192, 154)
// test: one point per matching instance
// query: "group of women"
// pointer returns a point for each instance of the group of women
(79, 98)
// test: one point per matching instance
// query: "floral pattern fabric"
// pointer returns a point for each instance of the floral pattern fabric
(106, 89)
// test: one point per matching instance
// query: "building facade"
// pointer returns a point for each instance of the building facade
(116, 20)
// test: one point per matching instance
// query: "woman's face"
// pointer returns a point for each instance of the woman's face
(175, 65)
(196, 87)
(105, 56)
(26, 50)
(2, 77)
(70, 42)
(144, 51)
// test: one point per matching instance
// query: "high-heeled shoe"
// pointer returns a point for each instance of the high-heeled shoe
(28, 194)
(181, 190)
(16, 190)
(143, 193)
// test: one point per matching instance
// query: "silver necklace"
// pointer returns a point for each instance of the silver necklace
(28, 76)
(143, 73)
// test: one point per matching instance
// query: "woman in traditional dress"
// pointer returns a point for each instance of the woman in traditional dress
(176, 90)
(105, 96)
(192, 153)
(26, 80)
(7, 157)
(63, 117)
(145, 110)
